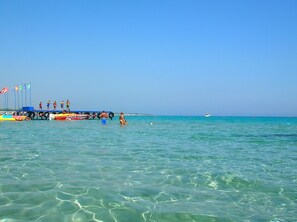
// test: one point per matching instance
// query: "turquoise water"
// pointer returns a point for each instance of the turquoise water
(154, 169)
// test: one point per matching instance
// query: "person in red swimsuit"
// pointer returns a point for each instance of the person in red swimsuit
(55, 105)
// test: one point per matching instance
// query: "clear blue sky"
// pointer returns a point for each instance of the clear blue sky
(163, 57)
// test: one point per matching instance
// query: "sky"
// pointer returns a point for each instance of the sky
(161, 57)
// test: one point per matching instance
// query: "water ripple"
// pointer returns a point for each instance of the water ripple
(177, 169)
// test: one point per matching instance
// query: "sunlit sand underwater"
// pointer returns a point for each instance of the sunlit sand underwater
(155, 169)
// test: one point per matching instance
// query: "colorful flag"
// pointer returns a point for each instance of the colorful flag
(28, 85)
(4, 90)
(20, 87)
(16, 88)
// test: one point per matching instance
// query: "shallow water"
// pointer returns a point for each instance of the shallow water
(155, 169)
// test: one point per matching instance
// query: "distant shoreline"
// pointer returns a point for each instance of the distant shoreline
(135, 114)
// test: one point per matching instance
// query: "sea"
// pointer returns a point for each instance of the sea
(155, 169)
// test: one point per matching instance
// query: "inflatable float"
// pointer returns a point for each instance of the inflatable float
(8, 117)
(68, 116)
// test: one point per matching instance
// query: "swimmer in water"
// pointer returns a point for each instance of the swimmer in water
(122, 119)
(103, 116)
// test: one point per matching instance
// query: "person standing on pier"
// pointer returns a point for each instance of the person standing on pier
(68, 105)
(55, 105)
(48, 104)
(62, 105)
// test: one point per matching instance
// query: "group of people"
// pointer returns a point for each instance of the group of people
(103, 116)
(55, 105)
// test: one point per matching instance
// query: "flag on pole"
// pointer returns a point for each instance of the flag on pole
(28, 85)
(4, 90)
(30, 96)
(20, 87)
(16, 88)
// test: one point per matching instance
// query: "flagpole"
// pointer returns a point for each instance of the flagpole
(14, 98)
(18, 95)
(22, 95)
(7, 100)
(29, 88)
(25, 94)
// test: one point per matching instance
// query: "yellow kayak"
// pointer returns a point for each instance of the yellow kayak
(7, 117)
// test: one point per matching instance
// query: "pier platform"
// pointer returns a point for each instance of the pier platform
(38, 114)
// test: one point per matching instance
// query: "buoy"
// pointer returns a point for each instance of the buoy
(46, 115)
(111, 115)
